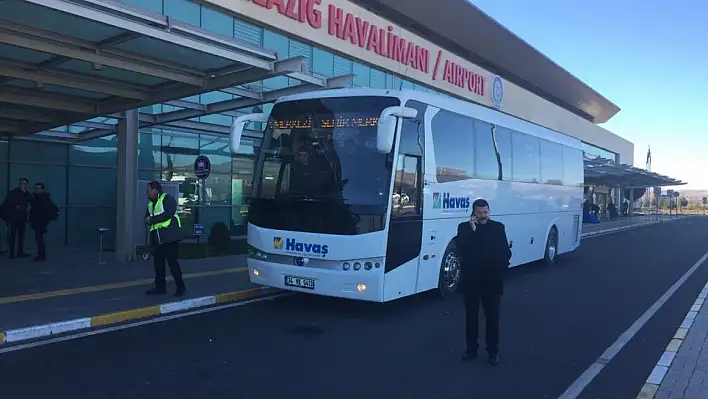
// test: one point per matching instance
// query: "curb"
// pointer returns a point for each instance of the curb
(46, 330)
(622, 228)
(653, 382)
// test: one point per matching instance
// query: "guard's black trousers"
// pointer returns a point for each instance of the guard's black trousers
(167, 253)
(491, 303)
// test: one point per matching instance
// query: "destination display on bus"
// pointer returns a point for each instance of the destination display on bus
(326, 123)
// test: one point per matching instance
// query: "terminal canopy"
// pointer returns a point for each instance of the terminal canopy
(603, 172)
(82, 62)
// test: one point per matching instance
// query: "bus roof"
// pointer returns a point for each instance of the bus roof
(461, 107)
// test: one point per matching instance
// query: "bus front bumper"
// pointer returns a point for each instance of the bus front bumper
(366, 285)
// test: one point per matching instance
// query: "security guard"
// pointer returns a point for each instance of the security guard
(165, 234)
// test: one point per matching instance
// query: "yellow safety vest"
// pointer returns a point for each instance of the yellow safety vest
(158, 209)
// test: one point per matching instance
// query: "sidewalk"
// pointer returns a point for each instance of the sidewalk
(682, 370)
(620, 224)
(72, 289)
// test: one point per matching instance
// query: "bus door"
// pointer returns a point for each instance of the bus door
(405, 230)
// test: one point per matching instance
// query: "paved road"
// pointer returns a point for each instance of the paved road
(556, 322)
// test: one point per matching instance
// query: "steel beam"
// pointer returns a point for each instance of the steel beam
(186, 104)
(27, 115)
(62, 49)
(104, 46)
(238, 91)
(340, 82)
(95, 125)
(9, 127)
(94, 134)
(266, 97)
(54, 101)
(64, 80)
(195, 126)
(146, 28)
(171, 92)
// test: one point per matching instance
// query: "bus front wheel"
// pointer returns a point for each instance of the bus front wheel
(449, 280)
(551, 253)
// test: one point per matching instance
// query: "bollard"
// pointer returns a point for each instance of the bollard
(101, 231)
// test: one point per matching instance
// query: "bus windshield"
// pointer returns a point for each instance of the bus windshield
(324, 151)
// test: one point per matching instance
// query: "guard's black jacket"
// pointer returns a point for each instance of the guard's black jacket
(484, 257)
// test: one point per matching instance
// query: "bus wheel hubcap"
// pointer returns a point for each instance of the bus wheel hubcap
(452, 270)
(552, 246)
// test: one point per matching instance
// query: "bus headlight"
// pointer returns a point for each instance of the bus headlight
(346, 266)
(377, 265)
(255, 253)
(361, 287)
(368, 265)
(357, 265)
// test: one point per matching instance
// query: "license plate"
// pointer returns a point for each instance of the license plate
(300, 282)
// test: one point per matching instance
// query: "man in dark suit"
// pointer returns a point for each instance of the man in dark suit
(484, 258)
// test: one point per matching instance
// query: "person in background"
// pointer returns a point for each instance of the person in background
(165, 233)
(15, 212)
(484, 258)
(42, 212)
(612, 210)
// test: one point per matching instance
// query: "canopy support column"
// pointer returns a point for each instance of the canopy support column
(127, 176)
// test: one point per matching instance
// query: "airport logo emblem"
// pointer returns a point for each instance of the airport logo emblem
(292, 246)
(497, 91)
(449, 204)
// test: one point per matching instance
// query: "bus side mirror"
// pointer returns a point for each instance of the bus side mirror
(386, 128)
(237, 129)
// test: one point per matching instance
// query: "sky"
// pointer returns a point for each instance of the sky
(648, 57)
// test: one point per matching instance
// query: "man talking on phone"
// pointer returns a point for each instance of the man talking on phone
(484, 258)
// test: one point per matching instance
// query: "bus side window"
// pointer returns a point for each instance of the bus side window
(406, 190)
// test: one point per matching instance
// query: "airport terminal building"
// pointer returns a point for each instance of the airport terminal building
(100, 96)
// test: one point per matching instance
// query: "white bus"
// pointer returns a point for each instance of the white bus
(358, 192)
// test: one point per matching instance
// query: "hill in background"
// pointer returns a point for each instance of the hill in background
(694, 195)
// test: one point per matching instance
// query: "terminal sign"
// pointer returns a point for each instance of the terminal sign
(198, 229)
(202, 167)
(380, 40)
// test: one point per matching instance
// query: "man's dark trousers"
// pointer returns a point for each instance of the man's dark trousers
(16, 238)
(167, 253)
(490, 299)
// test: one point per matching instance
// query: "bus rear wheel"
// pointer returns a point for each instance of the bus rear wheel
(450, 269)
(551, 253)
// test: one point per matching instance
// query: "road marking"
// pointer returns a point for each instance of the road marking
(105, 287)
(662, 367)
(140, 323)
(46, 330)
(119, 317)
(579, 385)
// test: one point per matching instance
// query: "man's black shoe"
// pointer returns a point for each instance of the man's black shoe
(469, 356)
(156, 291)
(493, 360)
(180, 292)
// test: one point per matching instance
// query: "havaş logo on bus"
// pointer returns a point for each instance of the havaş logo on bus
(449, 204)
(293, 246)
